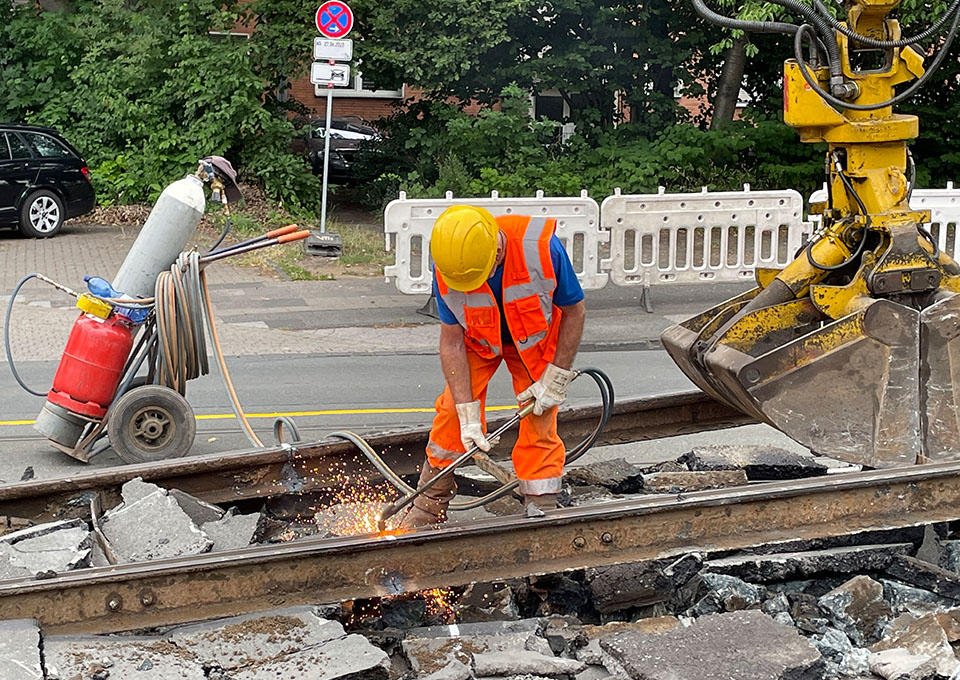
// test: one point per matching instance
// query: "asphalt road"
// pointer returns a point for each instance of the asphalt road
(325, 393)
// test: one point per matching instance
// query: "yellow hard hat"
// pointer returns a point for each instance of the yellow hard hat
(464, 246)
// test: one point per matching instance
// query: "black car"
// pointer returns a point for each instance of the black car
(43, 180)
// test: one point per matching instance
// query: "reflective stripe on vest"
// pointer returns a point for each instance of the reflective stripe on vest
(528, 273)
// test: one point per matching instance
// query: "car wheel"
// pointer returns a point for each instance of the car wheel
(41, 215)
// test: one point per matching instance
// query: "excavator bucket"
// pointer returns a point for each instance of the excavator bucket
(940, 379)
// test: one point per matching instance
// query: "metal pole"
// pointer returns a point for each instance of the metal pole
(326, 156)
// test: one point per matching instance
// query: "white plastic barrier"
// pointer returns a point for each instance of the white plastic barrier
(691, 238)
(410, 221)
(944, 207)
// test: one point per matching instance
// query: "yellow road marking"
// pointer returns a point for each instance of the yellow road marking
(298, 414)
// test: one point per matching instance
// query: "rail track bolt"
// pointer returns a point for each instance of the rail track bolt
(147, 598)
(606, 537)
(579, 542)
(114, 603)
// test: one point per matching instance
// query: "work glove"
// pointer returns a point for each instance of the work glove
(471, 426)
(549, 391)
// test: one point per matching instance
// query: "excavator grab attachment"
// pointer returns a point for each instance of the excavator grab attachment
(853, 349)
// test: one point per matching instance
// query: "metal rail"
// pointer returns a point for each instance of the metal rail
(165, 592)
(278, 471)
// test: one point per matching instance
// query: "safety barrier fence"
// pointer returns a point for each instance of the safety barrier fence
(651, 239)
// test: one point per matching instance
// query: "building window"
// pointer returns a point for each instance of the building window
(361, 86)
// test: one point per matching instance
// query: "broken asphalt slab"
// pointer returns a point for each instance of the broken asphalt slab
(746, 645)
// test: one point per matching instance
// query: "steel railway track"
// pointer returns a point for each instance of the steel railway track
(277, 471)
(313, 570)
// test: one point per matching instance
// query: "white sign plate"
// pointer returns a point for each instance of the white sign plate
(323, 74)
(328, 48)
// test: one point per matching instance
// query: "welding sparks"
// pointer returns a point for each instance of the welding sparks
(356, 507)
(440, 604)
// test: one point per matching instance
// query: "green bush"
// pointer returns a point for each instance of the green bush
(144, 90)
(435, 148)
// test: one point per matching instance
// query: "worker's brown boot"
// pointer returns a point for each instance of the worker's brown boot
(430, 507)
(547, 501)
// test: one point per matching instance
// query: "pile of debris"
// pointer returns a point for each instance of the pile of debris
(289, 643)
(150, 524)
(876, 605)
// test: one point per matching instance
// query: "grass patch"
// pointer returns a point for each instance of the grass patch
(362, 246)
(286, 257)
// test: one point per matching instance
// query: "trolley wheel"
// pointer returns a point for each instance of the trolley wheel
(151, 423)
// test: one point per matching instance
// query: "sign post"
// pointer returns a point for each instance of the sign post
(334, 20)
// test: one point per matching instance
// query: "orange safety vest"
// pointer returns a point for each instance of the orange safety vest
(528, 285)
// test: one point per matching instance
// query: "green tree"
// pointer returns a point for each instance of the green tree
(145, 88)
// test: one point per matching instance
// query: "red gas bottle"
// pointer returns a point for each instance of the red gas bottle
(92, 364)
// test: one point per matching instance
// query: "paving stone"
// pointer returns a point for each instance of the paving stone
(455, 670)
(351, 657)
(20, 650)
(154, 527)
(745, 645)
(899, 664)
(677, 482)
(617, 475)
(922, 636)
(925, 575)
(639, 584)
(774, 567)
(858, 609)
(135, 489)
(513, 662)
(722, 593)
(139, 658)
(591, 653)
(235, 642)
(487, 602)
(917, 601)
(432, 649)
(759, 462)
(199, 511)
(232, 532)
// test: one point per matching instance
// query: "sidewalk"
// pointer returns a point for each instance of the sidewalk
(257, 314)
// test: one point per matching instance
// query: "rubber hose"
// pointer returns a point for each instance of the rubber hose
(604, 384)
(6, 336)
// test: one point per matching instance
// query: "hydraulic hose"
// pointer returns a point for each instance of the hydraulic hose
(906, 94)
(848, 185)
(605, 386)
(874, 42)
(827, 42)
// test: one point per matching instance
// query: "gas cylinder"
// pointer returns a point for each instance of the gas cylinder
(89, 372)
(169, 226)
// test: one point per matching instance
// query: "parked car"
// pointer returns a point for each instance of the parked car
(43, 180)
(348, 133)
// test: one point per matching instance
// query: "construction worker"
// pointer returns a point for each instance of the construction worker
(506, 291)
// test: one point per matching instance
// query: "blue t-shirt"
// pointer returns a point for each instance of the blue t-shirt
(568, 290)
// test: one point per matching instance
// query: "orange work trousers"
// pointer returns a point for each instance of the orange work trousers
(538, 455)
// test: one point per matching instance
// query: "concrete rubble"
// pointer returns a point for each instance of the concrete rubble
(20, 650)
(746, 645)
(758, 462)
(45, 550)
